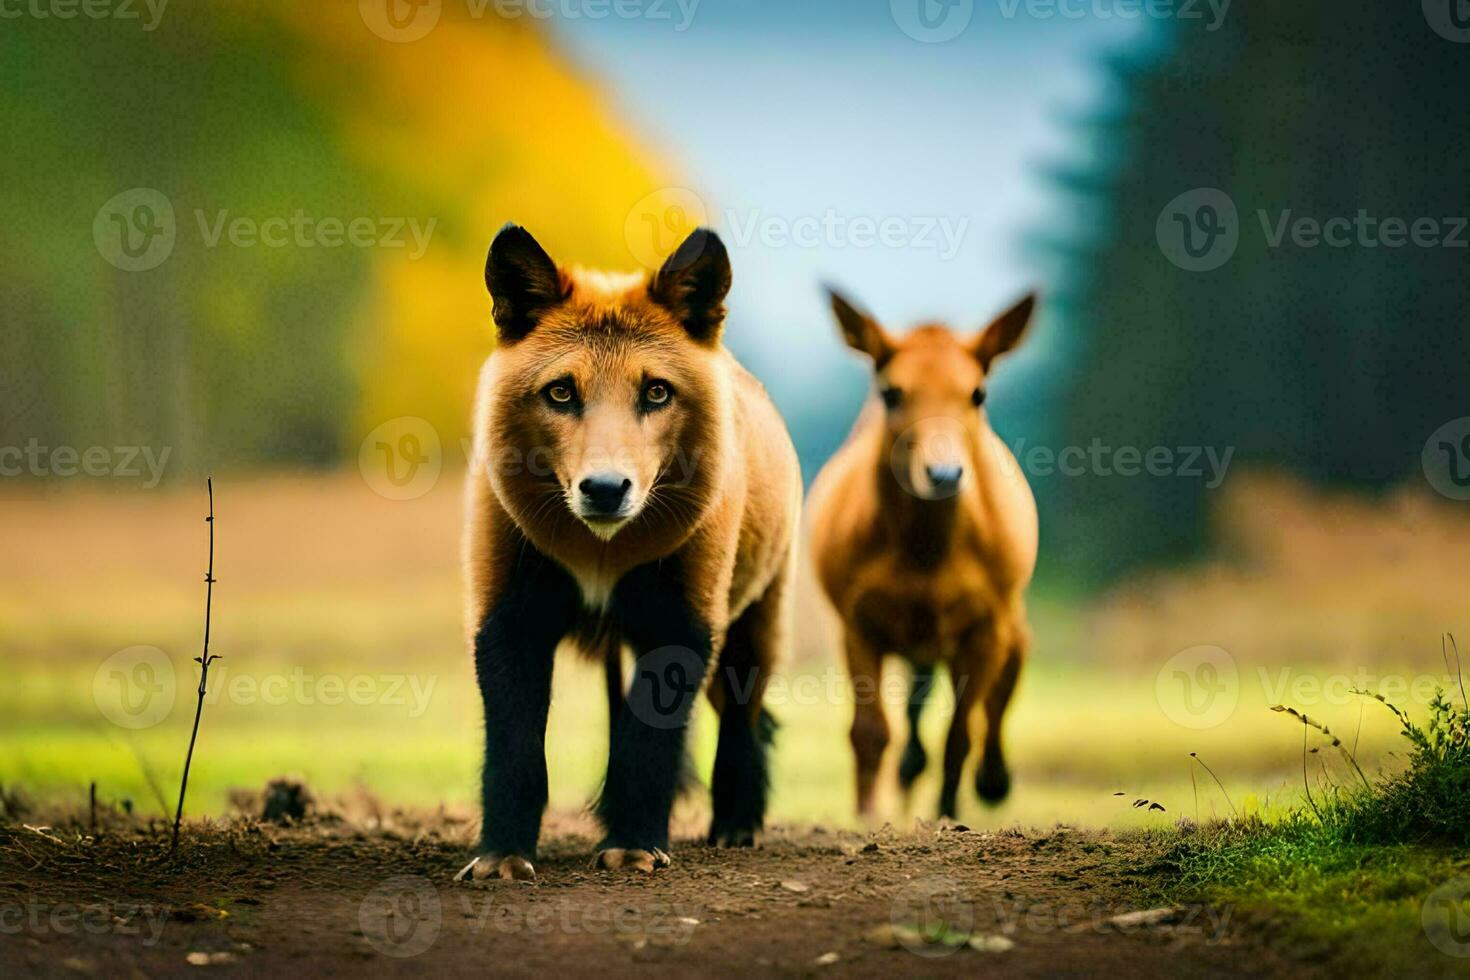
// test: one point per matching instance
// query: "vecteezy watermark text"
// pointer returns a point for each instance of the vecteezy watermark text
(298, 686)
(304, 231)
(1097, 458)
(120, 462)
(137, 230)
(404, 915)
(89, 9)
(406, 21)
(660, 220)
(38, 918)
(1203, 686)
(1200, 229)
(1185, 10)
(830, 229)
(137, 687)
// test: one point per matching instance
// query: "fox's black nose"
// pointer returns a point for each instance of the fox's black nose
(603, 493)
(944, 477)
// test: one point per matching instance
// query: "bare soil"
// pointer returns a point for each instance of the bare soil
(334, 897)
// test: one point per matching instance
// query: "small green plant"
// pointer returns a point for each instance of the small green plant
(1430, 800)
(1350, 868)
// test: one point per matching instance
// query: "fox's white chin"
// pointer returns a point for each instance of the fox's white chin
(604, 527)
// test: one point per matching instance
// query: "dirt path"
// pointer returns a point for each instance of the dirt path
(333, 899)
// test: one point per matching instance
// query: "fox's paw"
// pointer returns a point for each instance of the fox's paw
(511, 867)
(631, 859)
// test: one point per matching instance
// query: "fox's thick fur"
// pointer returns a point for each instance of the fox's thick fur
(932, 571)
(599, 374)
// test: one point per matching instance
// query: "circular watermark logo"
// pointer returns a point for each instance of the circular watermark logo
(135, 688)
(136, 230)
(400, 21)
(928, 458)
(401, 458)
(1450, 19)
(932, 917)
(1199, 230)
(932, 21)
(666, 683)
(660, 221)
(401, 916)
(1446, 917)
(1198, 687)
(1446, 459)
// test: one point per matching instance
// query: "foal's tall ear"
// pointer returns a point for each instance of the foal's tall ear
(522, 280)
(1004, 332)
(692, 284)
(862, 332)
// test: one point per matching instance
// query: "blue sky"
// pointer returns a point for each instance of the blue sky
(810, 117)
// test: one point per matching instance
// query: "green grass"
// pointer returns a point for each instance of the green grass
(1077, 734)
(320, 576)
(329, 603)
(1298, 881)
(1372, 873)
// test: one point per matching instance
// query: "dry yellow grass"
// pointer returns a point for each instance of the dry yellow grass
(1310, 577)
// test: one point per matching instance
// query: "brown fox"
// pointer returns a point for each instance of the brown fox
(634, 486)
(924, 534)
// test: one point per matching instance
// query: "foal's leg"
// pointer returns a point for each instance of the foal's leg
(993, 779)
(911, 766)
(869, 733)
(975, 661)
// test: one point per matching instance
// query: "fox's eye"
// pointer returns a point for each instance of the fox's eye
(560, 393)
(977, 397)
(892, 397)
(657, 393)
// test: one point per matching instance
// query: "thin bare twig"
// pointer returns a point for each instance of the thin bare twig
(203, 660)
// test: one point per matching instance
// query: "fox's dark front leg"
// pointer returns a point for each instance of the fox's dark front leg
(672, 646)
(514, 650)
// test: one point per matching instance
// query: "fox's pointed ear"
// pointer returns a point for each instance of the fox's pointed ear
(522, 280)
(693, 283)
(862, 332)
(1004, 332)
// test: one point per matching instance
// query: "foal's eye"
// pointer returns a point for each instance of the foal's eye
(892, 397)
(657, 393)
(977, 397)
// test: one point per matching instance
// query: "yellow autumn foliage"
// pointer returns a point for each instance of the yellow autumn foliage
(479, 122)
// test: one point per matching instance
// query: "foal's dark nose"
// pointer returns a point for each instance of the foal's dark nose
(603, 493)
(944, 477)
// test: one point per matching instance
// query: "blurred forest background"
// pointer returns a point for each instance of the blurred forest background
(1322, 369)
(1329, 363)
(279, 357)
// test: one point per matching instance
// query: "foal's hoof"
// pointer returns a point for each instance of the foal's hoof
(730, 837)
(631, 859)
(510, 868)
(993, 783)
(911, 766)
